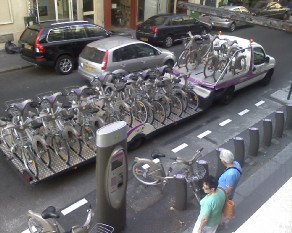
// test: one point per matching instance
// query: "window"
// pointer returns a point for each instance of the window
(144, 50)
(176, 21)
(92, 54)
(258, 56)
(188, 20)
(56, 35)
(78, 32)
(124, 53)
(93, 31)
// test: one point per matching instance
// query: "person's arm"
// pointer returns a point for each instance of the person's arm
(229, 191)
(204, 221)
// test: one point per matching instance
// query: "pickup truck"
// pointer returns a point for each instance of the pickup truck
(257, 67)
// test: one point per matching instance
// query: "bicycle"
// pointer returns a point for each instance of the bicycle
(152, 173)
(46, 222)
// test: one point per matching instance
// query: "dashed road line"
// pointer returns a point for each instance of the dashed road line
(207, 132)
(259, 103)
(74, 206)
(225, 122)
(243, 112)
(178, 148)
(26, 231)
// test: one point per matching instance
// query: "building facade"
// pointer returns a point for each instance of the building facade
(15, 15)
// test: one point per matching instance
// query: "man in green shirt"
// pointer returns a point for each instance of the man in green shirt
(211, 207)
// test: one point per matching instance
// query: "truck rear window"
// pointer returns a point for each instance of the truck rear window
(92, 54)
(29, 36)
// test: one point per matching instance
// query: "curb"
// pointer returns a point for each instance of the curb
(16, 67)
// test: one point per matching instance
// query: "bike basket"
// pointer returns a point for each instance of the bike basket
(102, 228)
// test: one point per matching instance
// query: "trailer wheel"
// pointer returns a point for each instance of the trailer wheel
(227, 96)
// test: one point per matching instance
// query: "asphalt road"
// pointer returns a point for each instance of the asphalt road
(17, 197)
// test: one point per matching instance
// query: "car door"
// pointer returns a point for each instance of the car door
(258, 63)
(193, 25)
(177, 27)
(147, 56)
(124, 58)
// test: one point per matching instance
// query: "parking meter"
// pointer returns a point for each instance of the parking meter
(112, 174)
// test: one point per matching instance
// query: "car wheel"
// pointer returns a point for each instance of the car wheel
(169, 63)
(64, 65)
(204, 31)
(266, 80)
(168, 41)
(286, 16)
(232, 27)
(227, 96)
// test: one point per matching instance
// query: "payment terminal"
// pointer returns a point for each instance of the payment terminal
(112, 174)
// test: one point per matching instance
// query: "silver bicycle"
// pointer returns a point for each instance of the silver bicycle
(151, 172)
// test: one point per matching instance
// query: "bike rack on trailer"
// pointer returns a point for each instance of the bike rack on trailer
(137, 132)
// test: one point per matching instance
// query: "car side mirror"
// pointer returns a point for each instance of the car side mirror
(267, 59)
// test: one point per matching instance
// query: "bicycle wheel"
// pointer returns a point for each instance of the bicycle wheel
(29, 161)
(7, 137)
(140, 111)
(43, 153)
(34, 226)
(183, 97)
(150, 117)
(222, 70)
(74, 142)
(147, 172)
(197, 191)
(124, 113)
(210, 67)
(194, 100)
(182, 58)
(88, 136)
(177, 106)
(192, 60)
(239, 65)
(61, 148)
(159, 111)
(165, 101)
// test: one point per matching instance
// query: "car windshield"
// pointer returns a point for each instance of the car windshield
(29, 36)
(157, 20)
(92, 54)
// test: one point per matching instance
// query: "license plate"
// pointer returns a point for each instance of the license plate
(27, 46)
(144, 39)
(88, 67)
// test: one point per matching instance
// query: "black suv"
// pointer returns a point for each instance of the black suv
(58, 44)
(168, 28)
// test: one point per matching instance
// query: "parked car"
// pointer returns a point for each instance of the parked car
(121, 53)
(270, 9)
(229, 24)
(58, 44)
(165, 29)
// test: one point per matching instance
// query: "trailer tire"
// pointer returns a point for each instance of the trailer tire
(227, 96)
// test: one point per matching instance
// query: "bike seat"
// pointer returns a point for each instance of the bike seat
(36, 125)
(50, 212)
(160, 84)
(176, 80)
(157, 155)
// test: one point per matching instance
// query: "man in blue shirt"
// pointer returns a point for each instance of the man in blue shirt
(231, 175)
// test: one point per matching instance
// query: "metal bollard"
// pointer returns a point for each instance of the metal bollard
(288, 124)
(267, 132)
(180, 192)
(220, 166)
(254, 141)
(279, 124)
(239, 150)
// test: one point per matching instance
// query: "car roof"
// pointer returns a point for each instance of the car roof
(113, 42)
(54, 24)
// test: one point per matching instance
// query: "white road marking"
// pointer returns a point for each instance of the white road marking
(259, 103)
(204, 134)
(243, 112)
(26, 231)
(75, 206)
(178, 148)
(225, 122)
